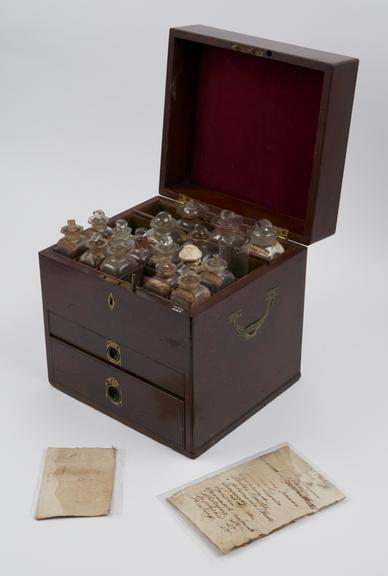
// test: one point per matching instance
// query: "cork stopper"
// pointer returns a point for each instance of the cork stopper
(190, 254)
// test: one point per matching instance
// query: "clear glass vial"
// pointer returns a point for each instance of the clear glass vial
(226, 224)
(95, 253)
(234, 249)
(215, 274)
(164, 251)
(73, 242)
(263, 241)
(118, 261)
(99, 223)
(200, 237)
(164, 280)
(190, 291)
(142, 251)
(122, 232)
(164, 230)
(263, 234)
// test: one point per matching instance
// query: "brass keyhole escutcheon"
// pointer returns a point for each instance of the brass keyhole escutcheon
(111, 301)
(113, 391)
(113, 352)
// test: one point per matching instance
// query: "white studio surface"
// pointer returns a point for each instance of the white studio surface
(81, 111)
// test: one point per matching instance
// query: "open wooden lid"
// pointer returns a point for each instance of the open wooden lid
(258, 127)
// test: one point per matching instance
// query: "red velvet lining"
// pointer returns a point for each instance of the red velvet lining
(255, 129)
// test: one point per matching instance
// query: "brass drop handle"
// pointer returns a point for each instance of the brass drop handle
(253, 329)
(113, 391)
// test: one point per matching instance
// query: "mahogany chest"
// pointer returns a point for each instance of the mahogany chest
(250, 125)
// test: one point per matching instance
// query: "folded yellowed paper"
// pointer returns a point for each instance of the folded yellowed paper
(76, 482)
(255, 498)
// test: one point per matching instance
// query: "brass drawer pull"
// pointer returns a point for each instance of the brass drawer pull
(113, 352)
(253, 329)
(113, 391)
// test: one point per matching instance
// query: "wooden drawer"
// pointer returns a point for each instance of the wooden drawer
(116, 353)
(118, 394)
(77, 293)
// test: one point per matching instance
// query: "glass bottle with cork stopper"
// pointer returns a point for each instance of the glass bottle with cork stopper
(95, 253)
(164, 280)
(190, 291)
(190, 256)
(73, 242)
(215, 274)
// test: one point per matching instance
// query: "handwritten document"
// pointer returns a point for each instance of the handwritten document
(255, 498)
(76, 482)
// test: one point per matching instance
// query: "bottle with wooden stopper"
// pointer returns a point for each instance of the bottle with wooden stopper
(95, 253)
(164, 280)
(73, 242)
(215, 274)
(189, 291)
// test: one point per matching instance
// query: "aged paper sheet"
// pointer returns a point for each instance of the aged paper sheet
(255, 498)
(76, 482)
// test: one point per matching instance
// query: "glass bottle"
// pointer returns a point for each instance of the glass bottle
(164, 280)
(118, 261)
(191, 214)
(142, 251)
(164, 230)
(95, 252)
(73, 242)
(215, 274)
(225, 223)
(200, 237)
(263, 241)
(164, 251)
(190, 256)
(190, 291)
(235, 250)
(122, 232)
(99, 223)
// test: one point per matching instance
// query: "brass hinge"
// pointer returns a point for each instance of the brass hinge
(250, 50)
(183, 199)
(282, 233)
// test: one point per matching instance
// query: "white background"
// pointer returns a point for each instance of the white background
(81, 102)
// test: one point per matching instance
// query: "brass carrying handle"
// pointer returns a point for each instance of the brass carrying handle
(253, 329)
